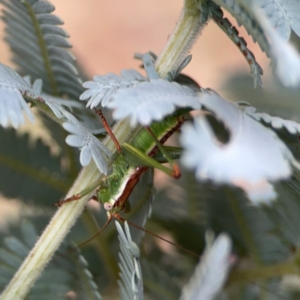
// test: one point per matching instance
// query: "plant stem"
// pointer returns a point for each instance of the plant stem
(101, 244)
(182, 39)
(177, 47)
(262, 273)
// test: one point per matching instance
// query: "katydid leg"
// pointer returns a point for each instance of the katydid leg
(176, 172)
(84, 192)
(117, 216)
(173, 152)
(108, 129)
(99, 232)
(145, 160)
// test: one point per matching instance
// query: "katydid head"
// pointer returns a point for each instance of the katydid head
(108, 206)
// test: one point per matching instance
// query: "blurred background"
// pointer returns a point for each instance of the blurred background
(106, 34)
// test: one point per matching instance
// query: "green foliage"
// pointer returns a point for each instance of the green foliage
(39, 46)
(67, 271)
(28, 170)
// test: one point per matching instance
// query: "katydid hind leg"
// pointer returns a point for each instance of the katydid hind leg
(173, 152)
(140, 158)
(176, 171)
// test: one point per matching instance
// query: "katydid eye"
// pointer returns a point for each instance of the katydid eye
(108, 206)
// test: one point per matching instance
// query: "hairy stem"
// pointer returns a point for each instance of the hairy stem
(177, 47)
(182, 39)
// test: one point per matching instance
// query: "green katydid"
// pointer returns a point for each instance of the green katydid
(133, 158)
(132, 161)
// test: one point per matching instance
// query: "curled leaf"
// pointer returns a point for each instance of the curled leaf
(253, 156)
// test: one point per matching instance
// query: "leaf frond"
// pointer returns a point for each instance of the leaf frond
(66, 272)
(282, 14)
(131, 283)
(245, 17)
(255, 69)
(102, 89)
(29, 165)
(90, 146)
(12, 104)
(275, 122)
(39, 46)
(158, 282)
(85, 286)
(204, 283)
(152, 101)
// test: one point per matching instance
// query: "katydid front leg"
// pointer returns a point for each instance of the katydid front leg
(84, 192)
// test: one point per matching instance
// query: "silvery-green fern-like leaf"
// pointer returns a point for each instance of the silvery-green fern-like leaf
(66, 272)
(255, 69)
(269, 22)
(283, 15)
(55, 104)
(245, 17)
(131, 283)
(158, 282)
(152, 101)
(286, 60)
(12, 104)
(13, 88)
(102, 89)
(259, 234)
(90, 146)
(252, 158)
(275, 122)
(39, 46)
(85, 285)
(285, 212)
(23, 165)
(175, 73)
(211, 272)
(148, 63)
(252, 228)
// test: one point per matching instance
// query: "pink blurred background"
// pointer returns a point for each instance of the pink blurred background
(106, 34)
